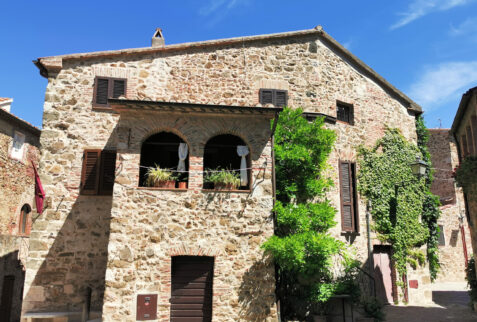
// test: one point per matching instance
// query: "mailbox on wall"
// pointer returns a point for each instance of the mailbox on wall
(146, 307)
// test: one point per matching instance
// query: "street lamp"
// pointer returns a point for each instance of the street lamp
(419, 167)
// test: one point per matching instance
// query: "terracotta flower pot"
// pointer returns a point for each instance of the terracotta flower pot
(169, 184)
(182, 185)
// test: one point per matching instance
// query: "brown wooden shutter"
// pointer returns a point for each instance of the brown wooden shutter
(102, 90)
(281, 98)
(347, 200)
(119, 88)
(266, 96)
(90, 172)
(108, 171)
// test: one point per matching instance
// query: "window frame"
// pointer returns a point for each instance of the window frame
(351, 112)
(442, 236)
(110, 90)
(99, 178)
(23, 223)
(353, 195)
(274, 96)
(21, 153)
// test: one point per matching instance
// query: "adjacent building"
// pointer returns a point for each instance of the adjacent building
(464, 131)
(111, 245)
(455, 245)
(19, 146)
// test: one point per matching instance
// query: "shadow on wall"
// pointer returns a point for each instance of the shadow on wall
(76, 260)
(257, 291)
(12, 278)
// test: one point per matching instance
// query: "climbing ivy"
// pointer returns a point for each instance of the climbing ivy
(302, 248)
(397, 196)
(430, 211)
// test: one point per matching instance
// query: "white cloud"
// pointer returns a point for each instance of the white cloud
(467, 27)
(420, 8)
(442, 83)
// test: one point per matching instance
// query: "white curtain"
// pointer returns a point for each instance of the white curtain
(242, 151)
(182, 156)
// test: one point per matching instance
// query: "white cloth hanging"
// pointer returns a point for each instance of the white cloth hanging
(182, 156)
(242, 151)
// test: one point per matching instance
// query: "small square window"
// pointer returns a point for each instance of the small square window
(17, 146)
(276, 97)
(105, 88)
(344, 113)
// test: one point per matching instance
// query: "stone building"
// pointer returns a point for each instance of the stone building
(454, 241)
(19, 145)
(464, 131)
(109, 243)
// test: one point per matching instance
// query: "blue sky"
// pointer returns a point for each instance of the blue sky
(426, 48)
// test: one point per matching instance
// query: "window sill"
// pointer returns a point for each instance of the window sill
(226, 191)
(103, 109)
(344, 122)
(162, 189)
(350, 233)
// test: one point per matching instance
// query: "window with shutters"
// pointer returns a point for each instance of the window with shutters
(345, 112)
(97, 176)
(349, 207)
(106, 87)
(277, 97)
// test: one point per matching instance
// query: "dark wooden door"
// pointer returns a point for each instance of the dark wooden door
(7, 297)
(383, 273)
(191, 288)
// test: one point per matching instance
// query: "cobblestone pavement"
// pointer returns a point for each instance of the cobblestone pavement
(451, 303)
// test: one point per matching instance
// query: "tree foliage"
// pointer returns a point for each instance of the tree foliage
(430, 211)
(302, 247)
(397, 196)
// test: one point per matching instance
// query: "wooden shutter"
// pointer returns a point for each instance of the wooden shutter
(107, 174)
(347, 197)
(281, 98)
(266, 96)
(118, 88)
(90, 172)
(101, 91)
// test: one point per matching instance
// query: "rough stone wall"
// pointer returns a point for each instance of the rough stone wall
(16, 189)
(17, 186)
(12, 251)
(315, 77)
(444, 158)
(149, 226)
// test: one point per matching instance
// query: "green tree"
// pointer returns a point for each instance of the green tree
(302, 248)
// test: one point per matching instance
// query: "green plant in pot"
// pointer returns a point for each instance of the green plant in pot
(223, 179)
(160, 178)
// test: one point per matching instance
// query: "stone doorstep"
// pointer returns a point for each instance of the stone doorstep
(59, 316)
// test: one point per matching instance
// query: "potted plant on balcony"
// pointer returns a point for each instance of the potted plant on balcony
(223, 179)
(160, 178)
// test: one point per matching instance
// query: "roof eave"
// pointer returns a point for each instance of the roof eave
(461, 109)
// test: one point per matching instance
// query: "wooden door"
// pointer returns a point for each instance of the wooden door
(191, 288)
(7, 297)
(383, 273)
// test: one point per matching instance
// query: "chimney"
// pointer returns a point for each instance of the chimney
(5, 103)
(158, 39)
